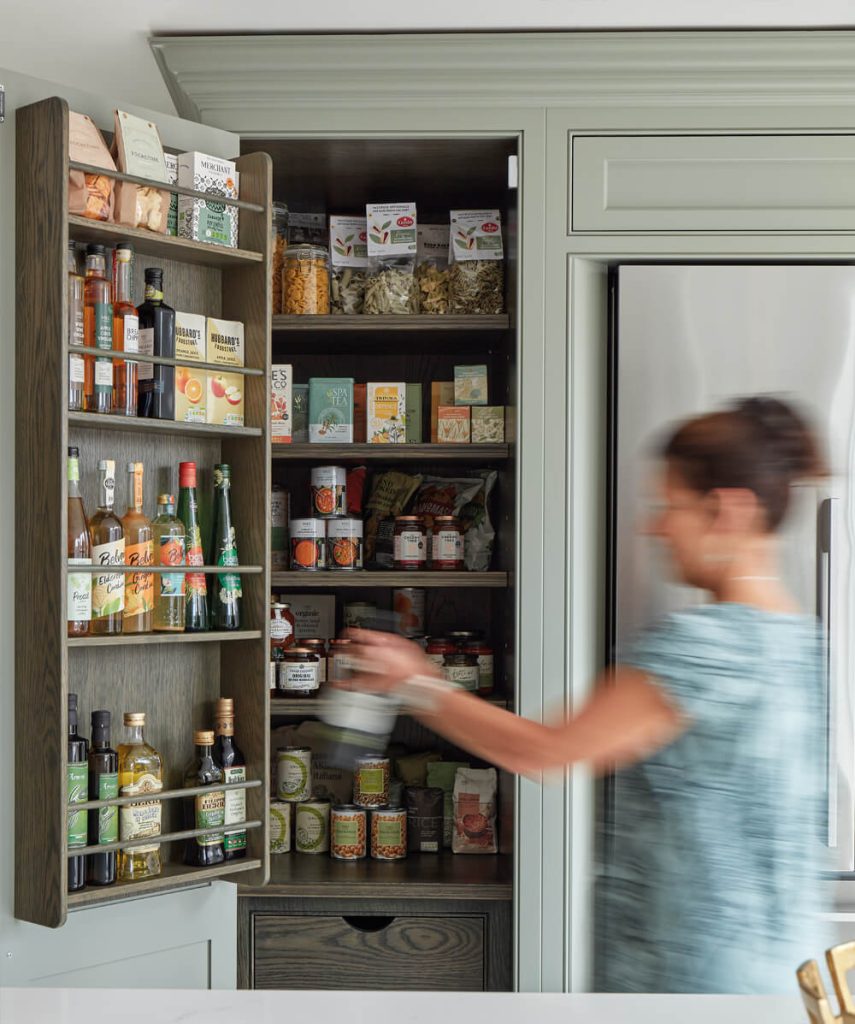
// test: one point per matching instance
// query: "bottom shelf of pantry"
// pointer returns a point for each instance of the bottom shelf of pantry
(172, 877)
(420, 876)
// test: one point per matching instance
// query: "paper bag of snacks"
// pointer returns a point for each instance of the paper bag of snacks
(441, 775)
(475, 811)
(138, 151)
(89, 195)
(388, 497)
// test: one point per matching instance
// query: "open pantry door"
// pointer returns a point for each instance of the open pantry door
(186, 939)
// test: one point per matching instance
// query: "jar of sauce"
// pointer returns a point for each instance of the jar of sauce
(461, 668)
(410, 543)
(437, 648)
(319, 647)
(281, 638)
(447, 544)
(484, 653)
(298, 674)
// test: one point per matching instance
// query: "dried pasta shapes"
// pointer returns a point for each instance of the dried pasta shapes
(392, 289)
(305, 280)
(349, 259)
(477, 283)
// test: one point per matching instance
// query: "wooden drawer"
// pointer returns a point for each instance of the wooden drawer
(706, 183)
(370, 952)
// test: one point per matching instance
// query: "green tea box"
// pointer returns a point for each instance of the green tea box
(414, 413)
(470, 385)
(208, 220)
(299, 413)
(488, 424)
(330, 410)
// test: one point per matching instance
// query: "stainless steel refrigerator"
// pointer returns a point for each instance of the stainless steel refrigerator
(686, 339)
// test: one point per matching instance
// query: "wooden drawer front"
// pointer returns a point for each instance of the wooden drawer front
(423, 953)
(713, 183)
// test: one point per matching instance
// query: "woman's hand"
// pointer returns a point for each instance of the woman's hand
(387, 660)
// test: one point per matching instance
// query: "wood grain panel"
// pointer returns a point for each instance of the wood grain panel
(40, 513)
(368, 324)
(422, 453)
(426, 953)
(186, 286)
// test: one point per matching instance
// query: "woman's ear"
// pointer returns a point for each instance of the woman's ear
(735, 510)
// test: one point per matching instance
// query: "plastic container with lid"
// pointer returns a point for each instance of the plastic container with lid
(299, 673)
(306, 280)
(484, 653)
(410, 543)
(278, 245)
(447, 543)
(461, 668)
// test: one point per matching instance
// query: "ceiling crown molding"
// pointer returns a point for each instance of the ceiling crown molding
(218, 79)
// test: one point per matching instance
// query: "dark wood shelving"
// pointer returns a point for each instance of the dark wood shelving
(475, 453)
(131, 424)
(368, 578)
(315, 705)
(420, 876)
(139, 639)
(391, 321)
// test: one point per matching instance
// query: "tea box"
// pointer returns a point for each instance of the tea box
(414, 413)
(202, 220)
(280, 403)
(330, 410)
(190, 382)
(488, 424)
(470, 385)
(386, 414)
(300, 413)
(453, 424)
(441, 393)
(360, 408)
(171, 161)
(224, 343)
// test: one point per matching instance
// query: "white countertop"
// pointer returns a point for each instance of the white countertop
(164, 1006)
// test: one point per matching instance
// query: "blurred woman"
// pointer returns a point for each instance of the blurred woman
(714, 724)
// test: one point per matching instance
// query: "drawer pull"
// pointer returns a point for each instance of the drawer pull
(368, 924)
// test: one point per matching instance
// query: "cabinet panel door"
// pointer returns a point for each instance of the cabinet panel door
(370, 952)
(713, 183)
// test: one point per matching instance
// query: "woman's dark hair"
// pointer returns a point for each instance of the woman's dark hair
(761, 444)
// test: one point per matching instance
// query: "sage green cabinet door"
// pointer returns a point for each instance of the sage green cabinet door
(711, 183)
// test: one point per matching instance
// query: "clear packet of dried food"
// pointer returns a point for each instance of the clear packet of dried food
(392, 245)
(349, 264)
(138, 150)
(90, 195)
(476, 277)
(432, 269)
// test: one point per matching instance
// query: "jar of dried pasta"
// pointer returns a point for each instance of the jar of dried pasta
(278, 244)
(306, 279)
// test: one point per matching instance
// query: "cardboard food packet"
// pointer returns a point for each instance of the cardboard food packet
(138, 151)
(475, 811)
(89, 195)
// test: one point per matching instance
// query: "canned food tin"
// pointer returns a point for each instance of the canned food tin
(299, 674)
(280, 827)
(447, 543)
(371, 776)
(389, 834)
(308, 544)
(293, 773)
(348, 832)
(461, 668)
(329, 491)
(408, 604)
(358, 614)
(344, 543)
(312, 826)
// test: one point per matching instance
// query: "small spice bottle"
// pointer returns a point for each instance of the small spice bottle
(447, 544)
(461, 668)
(410, 543)
(306, 280)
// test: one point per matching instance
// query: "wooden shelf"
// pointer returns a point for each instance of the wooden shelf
(477, 453)
(132, 424)
(173, 570)
(420, 876)
(166, 247)
(313, 706)
(327, 580)
(172, 877)
(134, 639)
(391, 322)
(165, 838)
(164, 794)
(135, 357)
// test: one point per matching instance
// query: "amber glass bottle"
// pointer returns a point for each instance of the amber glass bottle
(97, 331)
(126, 330)
(228, 756)
(79, 584)
(139, 550)
(108, 548)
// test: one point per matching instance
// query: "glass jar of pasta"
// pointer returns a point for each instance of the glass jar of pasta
(306, 279)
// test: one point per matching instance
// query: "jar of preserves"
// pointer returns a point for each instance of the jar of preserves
(410, 544)
(281, 638)
(340, 662)
(306, 279)
(348, 832)
(299, 674)
(447, 543)
(461, 668)
(344, 544)
(319, 647)
(278, 244)
(437, 648)
(484, 653)
(308, 544)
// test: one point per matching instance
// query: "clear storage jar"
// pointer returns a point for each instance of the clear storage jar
(306, 280)
(278, 245)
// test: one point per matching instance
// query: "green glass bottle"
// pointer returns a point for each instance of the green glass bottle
(225, 588)
(196, 588)
(78, 780)
(103, 785)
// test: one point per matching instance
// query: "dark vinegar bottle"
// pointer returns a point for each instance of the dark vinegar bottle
(206, 809)
(225, 587)
(77, 771)
(228, 756)
(156, 337)
(103, 785)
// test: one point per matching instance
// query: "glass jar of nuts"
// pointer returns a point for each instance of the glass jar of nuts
(306, 280)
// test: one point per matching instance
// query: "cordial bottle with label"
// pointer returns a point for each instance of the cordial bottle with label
(195, 584)
(169, 540)
(126, 330)
(139, 550)
(77, 772)
(103, 785)
(228, 756)
(76, 371)
(108, 548)
(225, 588)
(206, 809)
(78, 584)
(97, 331)
(157, 337)
(140, 771)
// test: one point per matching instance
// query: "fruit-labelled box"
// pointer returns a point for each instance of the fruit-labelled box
(453, 424)
(190, 381)
(225, 399)
(280, 403)
(441, 393)
(488, 424)
(386, 413)
(330, 410)
(224, 343)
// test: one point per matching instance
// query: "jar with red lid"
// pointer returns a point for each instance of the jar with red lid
(410, 544)
(437, 648)
(484, 653)
(281, 637)
(447, 544)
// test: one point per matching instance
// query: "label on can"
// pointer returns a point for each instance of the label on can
(312, 828)
(280, 827)
(329, 491)
(294, 775)
(347, 835)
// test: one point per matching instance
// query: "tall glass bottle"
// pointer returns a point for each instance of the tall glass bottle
(169, 549)
(126, 330)
(225, 588)
(76, 371)
(228, 756)
(157, 337)
(77, 777)
(103, 785)
(97, 331)
(139, 550)
(205, 810)
(78, 584)
(108, 548)
(196, 620)
(140, 771)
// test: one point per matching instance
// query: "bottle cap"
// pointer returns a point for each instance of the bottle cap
(153, 275)
(94, 249)
(203, 738)
(101, 717)
(73, 453)
(225, 706)
(166, 499)
(125, 245)
(109, 465)
(186, 474)
(72, 704)
(223, 468)
(134, 718)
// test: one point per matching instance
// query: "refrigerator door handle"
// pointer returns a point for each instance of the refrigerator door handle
(825, 614)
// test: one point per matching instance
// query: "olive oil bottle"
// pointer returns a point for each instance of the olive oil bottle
(228, 756)
(103, 785)
(207, 809)
(140, 771)
(77, 772)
